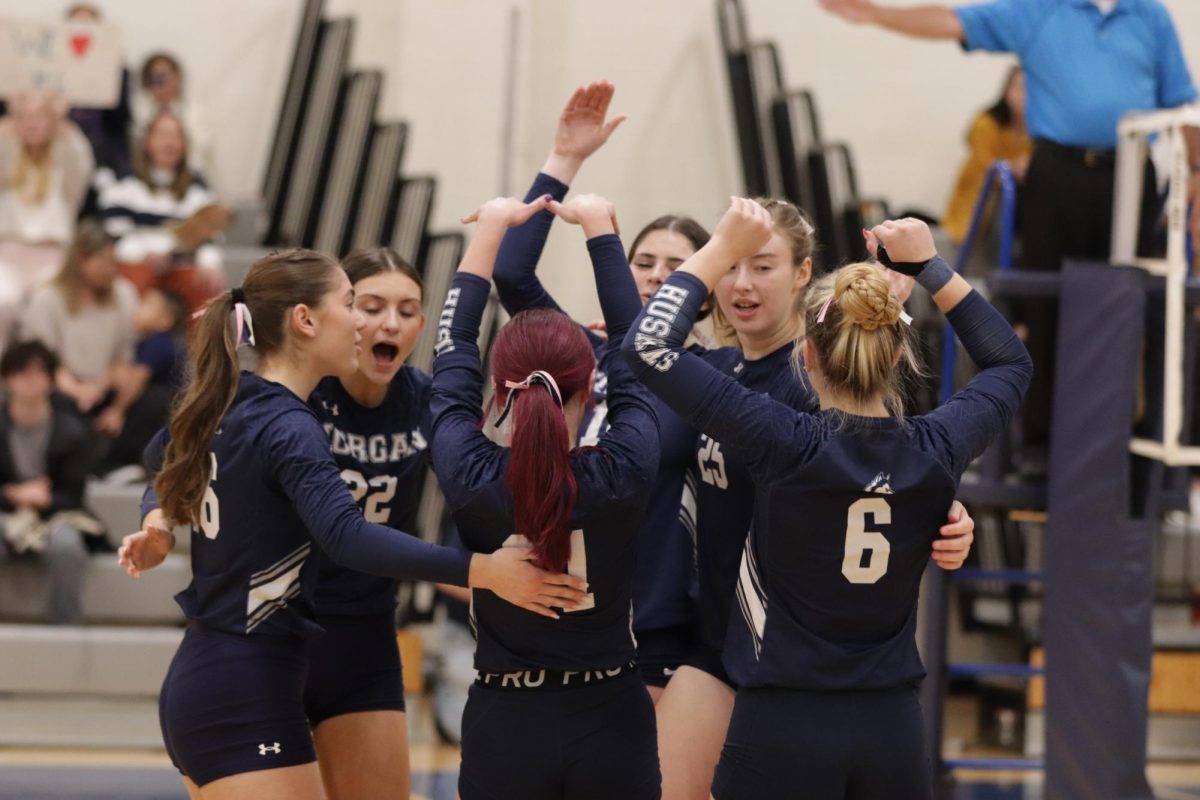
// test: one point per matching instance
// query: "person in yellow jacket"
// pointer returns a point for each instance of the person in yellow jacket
(997, 133)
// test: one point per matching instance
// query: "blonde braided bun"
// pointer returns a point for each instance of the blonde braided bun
(865, 297)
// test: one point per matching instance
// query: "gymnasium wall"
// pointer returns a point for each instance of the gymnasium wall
(902, 105)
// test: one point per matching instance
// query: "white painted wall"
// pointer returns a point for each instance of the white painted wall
(902, 105)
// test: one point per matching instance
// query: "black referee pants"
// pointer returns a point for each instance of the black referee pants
(1066, 212)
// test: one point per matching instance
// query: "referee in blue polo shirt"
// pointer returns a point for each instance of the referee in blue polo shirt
(1087, 63)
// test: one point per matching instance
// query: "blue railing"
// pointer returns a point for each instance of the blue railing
(999, 173)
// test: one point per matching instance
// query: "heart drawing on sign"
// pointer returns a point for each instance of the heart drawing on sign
(80, 43)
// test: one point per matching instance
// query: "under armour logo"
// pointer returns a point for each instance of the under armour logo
(331, 408)
(263, 749)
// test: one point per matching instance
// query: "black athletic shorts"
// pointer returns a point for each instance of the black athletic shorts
(232, 704)
(537, 739)
(785, 743)
(354, 667)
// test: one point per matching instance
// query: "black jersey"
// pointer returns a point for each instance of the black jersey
(613, 480)
(846, 507)
(273, 492)
(382, 453)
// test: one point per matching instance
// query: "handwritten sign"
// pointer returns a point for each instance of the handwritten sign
(79, 60)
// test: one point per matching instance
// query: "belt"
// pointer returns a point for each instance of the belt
(1092, 158)
(550, 679)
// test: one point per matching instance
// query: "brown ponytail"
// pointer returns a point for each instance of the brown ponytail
(273, 286)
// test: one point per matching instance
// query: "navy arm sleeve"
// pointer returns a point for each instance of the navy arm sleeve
(516, 278)
(515, 274)
(299, 457)
(768, 436)
(619, 298)
(978, 413)
(152, 459)
(470, 468)
(622, 467)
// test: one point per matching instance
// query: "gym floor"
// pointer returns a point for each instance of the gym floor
(64, 774)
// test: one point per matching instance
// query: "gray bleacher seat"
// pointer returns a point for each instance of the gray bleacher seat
(82, 687)
(109, 595)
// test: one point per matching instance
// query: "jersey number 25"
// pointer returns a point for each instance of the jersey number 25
(860, 540)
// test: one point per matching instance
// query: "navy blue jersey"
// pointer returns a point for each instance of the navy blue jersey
(382, 453)
(665, 570)
(725, 491)
(846, 506)
(613, 480)
(274, 490)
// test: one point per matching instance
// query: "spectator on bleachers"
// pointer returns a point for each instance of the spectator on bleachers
(164, 217)
(85, 315)
(163, 91)
(107, 129)
(45, 166)
(153, 378)
(997, 134)
(43, 457)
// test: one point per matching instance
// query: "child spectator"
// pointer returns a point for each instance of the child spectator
(43, 461)
(161, 321)
(153, 377)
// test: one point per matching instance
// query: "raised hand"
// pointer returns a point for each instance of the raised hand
(902, 285)
(507, 212)
(743, 230)
(582, 129)
(592, 212)
(856, 11)
(908, 240)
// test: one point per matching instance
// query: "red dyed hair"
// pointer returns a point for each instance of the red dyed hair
(539, 468)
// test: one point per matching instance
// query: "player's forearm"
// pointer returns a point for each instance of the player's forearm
(922, 22)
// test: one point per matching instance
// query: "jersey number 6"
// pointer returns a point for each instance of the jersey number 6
(859, 539)
(210, 507)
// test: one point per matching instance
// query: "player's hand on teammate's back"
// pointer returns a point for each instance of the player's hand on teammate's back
(507, 212)
(951, 550)
(509, 574)
(592, 212)
(743, 230)
(908, 240)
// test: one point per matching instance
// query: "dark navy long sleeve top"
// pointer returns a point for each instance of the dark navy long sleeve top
(846, 506)
(613, 480)
(274, 490)
(666, 564)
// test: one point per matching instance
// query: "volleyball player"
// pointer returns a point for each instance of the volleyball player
(663, 616)
(558, 709)
(823, 648)
(248, 466)
(378, 428)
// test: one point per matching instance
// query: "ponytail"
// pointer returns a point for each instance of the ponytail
(539, 475)
(540, 479)
(273, 286)
(211, 386)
